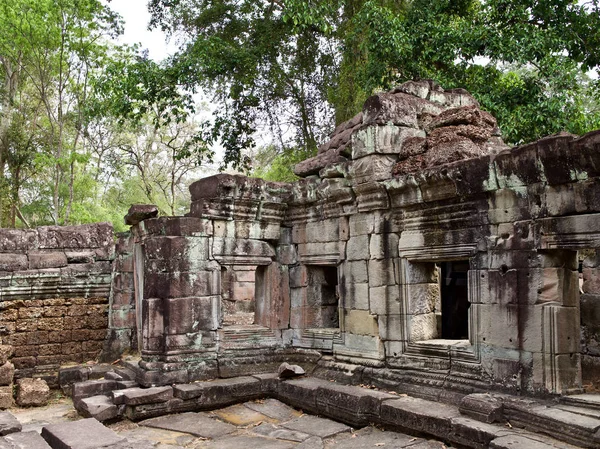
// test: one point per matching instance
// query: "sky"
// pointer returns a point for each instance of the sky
(136, 16)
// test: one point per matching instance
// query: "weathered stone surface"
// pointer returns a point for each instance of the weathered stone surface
(13, 262)
(5, 352)
(82, 434)
(273, 408)
(24, 440)
(9, 424)
(140, 212)
(313, 425)
(99, 407)
(139, 396)
(287, 371)
(89, 388)
(198, 424)
(419, 415)
(7, 372)
(32, 392)
(272, 431)
(6, 397)
(482, 407)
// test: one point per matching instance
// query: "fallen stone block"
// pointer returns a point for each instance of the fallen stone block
(139, 396)
(25, 440)
(69, 376)
(482, 407)
(32, 392)
(88, 388)
(287, 371)
(98, 407)
(122, 384)
(111, 375)
(82, 434)
(9, 424)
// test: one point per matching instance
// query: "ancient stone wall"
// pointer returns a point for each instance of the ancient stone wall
(418, 250)
(54, 289)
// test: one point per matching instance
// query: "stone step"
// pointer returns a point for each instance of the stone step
(523, 423)
(584, 400)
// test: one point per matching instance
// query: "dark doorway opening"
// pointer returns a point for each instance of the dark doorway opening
(455, 300)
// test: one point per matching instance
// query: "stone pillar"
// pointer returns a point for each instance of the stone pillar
(590, 322)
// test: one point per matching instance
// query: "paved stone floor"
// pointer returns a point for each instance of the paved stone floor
(264, 424)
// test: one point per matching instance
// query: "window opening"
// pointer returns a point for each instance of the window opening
(455, 300)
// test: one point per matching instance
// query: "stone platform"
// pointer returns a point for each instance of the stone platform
(479, 420)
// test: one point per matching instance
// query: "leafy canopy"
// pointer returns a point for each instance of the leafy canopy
(292, 68)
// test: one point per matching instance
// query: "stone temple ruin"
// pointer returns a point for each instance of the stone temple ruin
(418, 253)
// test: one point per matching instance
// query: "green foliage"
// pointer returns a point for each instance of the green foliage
(275, 165)
(297, 63)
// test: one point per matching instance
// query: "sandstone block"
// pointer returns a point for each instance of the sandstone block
(361, 322)
(422, 327)
(55, 259)
(139, 396)
(357, 248)
(6, 397)
(381, 272)
(385, 300)
(140, 212)
(32, 392)
(419, 415)
(482, 407)
(90, 388)
(5, 352)
(13, 262)
(350, 404)
(98, 407)
(386, 139)
(7, 372)
(356, 295)
(383, 246)
(372, 168)
(355, 272)
(83, 434)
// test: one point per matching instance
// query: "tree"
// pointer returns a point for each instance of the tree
(48, 49)
(294, 65)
